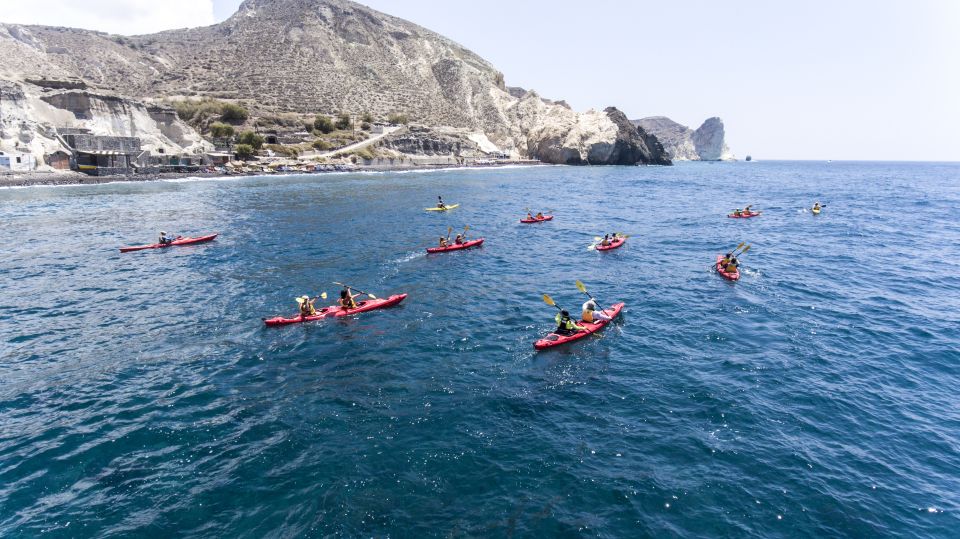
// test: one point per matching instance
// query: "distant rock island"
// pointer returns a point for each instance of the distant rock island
(274, 77)
(707, 143)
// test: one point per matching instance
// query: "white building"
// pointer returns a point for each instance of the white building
(17, 162)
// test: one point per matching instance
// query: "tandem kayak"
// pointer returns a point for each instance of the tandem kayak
(456, 247)
(614, 244)
(743, 215)
(535, 220)
(554, 339)
(180, 241)
(335, 311)
(445, 208)
(730, 275)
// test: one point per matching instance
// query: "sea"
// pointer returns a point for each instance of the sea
(141, 394)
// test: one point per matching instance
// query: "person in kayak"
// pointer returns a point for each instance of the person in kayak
(347, 299)
(443, 241)
(530, 216)
(591, 314)
(816, 206)
(458, 240)
(539, 215)
(306, 306)
(440, 203)
(605, 242)
(737, 212)
(164, 240)
(566, 326)
(730, 263)
(747, 210)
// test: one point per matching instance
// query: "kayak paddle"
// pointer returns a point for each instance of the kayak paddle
(549, 301)
(371, 296)
(583, 289)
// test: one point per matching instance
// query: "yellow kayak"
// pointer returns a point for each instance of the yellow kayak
(815, 211)
(445, 208)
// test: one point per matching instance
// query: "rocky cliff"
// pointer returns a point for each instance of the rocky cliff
(707, 143)
(326, 56)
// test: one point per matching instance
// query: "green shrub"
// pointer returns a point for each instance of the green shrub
(343, 122)
(245, 151)
(323, 124)
(221, 130)
(397, 118)
(365, 153)
(251, 139)
(365, 126)
(233, 113)
(321, 145)
(366, 118)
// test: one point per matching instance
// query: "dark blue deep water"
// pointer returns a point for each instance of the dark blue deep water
(140, 394)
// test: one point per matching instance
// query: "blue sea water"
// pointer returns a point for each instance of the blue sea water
(141, 395)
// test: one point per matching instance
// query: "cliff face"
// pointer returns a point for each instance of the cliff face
(707, 143)
(325, 56)
(28, 116)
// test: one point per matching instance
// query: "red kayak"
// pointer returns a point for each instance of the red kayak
(456, 247)
(335, 311)
(179, 241)
(554, 339)
(731, 275)
(535, 220)
(614, 244)
(743, 215)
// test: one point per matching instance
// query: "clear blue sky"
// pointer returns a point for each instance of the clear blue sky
(804, 80)
(852, 79)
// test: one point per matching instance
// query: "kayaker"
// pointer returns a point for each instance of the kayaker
(591, 313)
(737, 212)
(566, 326)
(816, 206)
(440, 203)
(347, 299)
(530, 216)
(730, 263)
(747, 210)
(306, 306)
(443, 241)
(605, 242)
(164, 240)
(458, 240)
(539, 215)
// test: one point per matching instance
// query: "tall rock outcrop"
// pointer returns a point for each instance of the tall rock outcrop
(325, 56)
(707, 143)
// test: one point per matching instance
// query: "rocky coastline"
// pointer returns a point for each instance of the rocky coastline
(60, 178)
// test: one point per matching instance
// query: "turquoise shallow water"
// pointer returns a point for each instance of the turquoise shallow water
(140, 394)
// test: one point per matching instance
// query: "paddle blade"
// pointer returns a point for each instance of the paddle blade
(580, 287)
(745, 250)
(372, 296)
(323, 295)
(591, 247)
(742, 243)
(549, 301)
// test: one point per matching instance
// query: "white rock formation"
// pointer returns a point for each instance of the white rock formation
(684, 144)
(30, 116)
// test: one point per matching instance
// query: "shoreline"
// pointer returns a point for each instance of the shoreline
(37, 178)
